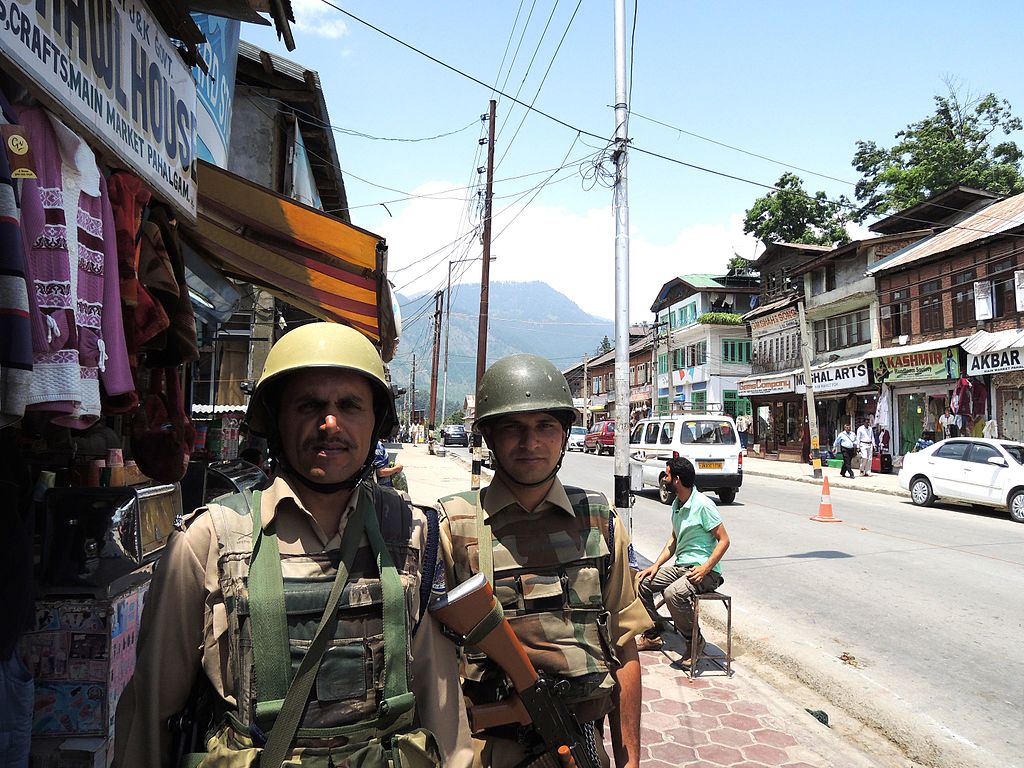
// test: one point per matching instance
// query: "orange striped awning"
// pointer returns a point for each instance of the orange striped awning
(306, 258)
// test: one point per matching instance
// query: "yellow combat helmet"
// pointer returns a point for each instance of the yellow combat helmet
(320, 345)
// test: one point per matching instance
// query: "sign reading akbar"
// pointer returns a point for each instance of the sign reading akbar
(918, 366)
(110, 64)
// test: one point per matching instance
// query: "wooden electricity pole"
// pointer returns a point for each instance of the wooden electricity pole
(438, 306)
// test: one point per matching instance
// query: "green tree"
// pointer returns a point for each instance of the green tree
(606, 345)
(455, 417)
(738, 262)
(950, 147)
(791, 214)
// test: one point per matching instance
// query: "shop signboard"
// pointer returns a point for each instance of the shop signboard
(836, 378)
(995, 362)
(640, 394)
(782, 320)
(917, 366)
(215, 88)
(767, 385)
(109, 65)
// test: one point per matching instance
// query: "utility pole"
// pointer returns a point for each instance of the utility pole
(621, 204)
(412, 389)
(438, 306)
(447, 329)
(812, 413)
(481, 340)
(586, 393)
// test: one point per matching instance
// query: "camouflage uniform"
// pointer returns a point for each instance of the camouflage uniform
(565, 588)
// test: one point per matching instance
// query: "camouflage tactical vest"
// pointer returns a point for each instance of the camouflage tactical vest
(548, 575)
(344, 708)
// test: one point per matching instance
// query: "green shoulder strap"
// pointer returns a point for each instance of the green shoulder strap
(282, 734)
(267, 615)
(484, 542)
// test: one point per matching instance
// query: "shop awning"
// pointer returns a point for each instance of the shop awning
(312, 261)
(909, 349)
(983, 341)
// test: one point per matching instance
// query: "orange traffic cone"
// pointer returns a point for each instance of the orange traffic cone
(825, 507)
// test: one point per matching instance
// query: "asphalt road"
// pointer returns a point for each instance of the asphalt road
(911, 619)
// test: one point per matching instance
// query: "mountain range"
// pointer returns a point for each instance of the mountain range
(522, 317)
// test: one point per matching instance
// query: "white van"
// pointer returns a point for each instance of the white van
(709, 441)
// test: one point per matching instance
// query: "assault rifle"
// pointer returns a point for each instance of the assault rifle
(471, 611)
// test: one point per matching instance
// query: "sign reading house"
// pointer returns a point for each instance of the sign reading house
(112, 67)
(995, 362)
(836, 378)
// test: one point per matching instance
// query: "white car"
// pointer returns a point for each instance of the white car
(576, 435)
(968, 469)
(709, 441)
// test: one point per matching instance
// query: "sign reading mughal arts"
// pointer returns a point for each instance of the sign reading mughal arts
(835, 378)
(110, 64)
(917, 366)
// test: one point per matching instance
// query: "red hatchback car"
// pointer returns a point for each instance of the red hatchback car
(600, 439)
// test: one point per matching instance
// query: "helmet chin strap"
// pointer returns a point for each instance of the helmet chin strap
(331, 425)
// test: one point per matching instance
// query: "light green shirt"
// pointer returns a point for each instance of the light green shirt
(693, 523)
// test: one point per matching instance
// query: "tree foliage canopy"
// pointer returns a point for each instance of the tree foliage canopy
(790, 214)
(606, 345)
(950, 147)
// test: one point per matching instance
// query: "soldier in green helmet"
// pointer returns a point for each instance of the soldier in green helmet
(300, 606)
(557, 559)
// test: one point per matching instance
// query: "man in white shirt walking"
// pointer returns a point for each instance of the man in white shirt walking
(866, 446)
(846, 442)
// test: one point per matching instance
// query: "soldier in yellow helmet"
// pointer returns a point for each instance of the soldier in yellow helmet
(558, 561)
(300, 604)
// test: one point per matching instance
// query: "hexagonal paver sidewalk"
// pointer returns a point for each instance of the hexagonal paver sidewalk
(715, 720)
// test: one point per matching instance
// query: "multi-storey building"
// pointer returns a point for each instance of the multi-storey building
(964, 286)
(703, 346)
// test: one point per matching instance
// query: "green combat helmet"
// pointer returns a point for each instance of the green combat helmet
(523, 384)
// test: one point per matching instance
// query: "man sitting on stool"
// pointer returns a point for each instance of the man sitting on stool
(698, 542)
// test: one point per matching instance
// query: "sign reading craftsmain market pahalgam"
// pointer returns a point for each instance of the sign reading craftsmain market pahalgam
(917, 366)
(112, 67)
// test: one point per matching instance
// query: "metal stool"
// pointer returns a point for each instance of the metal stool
(726, 600)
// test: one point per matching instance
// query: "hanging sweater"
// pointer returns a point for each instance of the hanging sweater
(68, 231)
(15, 336)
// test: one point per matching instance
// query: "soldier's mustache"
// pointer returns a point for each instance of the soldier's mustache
(330, 445)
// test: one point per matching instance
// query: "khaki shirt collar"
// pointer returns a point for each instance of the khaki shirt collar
(499, 497)
(280, 498)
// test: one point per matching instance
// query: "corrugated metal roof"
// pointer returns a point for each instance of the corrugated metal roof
(999, 217)
(983, 341)
(702, 280)
(909, 349)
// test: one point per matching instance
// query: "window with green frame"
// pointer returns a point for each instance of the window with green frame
(736, 406)
(663, 363)
(662, 406)
(735, 350)
(678, 358)
(702, 353)
(699, 400)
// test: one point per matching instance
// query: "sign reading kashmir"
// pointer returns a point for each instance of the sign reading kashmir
(110, 64)
(917, 366)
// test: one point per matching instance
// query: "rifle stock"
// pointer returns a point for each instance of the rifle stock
(462, 610)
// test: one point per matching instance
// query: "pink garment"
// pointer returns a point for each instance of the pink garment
(961, 404)
(74, 297)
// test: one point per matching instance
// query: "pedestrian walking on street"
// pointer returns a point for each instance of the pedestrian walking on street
(558, 560)
(322, 565)
(866, 446)
(697, 544)
(846, 443)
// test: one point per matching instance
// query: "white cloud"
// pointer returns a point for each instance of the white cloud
(570, 251)
(316, 18)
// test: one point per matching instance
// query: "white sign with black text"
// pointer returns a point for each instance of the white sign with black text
(835, 378)
(111, 66)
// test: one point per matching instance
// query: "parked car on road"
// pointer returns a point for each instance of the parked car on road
(600, 438)
(576, 435)
(454, 434)
(709, 441)
(974, 470)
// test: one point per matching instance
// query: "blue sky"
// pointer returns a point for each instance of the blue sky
(799, 82)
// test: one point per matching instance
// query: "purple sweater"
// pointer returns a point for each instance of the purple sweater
(74, 296)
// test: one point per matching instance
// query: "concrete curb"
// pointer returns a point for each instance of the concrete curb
(833, 483)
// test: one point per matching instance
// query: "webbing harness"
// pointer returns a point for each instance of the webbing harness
(282, 699)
